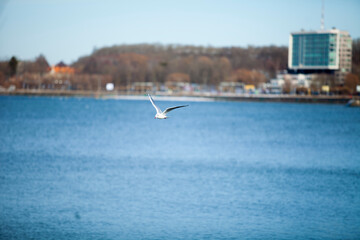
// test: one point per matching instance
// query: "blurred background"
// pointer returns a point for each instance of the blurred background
(268, 147)
(188, 47)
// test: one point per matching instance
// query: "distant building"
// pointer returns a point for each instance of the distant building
(289, 80)
(249, 88)
(62, 68)
(60, 77)
(178, 82)
(231, 87)
(312, 52)
(143, 86)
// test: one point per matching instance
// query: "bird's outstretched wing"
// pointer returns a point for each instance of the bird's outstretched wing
(172, 108)
(152, 102)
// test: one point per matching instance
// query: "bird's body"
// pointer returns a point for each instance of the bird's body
(162, 114)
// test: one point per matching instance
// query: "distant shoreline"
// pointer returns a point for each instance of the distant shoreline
(337, 99)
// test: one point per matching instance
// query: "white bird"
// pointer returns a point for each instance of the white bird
(162, 114)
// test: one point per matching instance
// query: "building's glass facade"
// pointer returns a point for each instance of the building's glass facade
(320, 52)
(314, 50)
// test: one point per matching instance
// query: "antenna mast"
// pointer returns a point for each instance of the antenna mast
(322, 15)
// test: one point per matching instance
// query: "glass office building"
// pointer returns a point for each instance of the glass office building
(320, 51)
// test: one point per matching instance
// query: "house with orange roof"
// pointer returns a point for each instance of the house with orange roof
(62, 68)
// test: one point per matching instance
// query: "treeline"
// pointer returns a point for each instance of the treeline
(202, 65)
(159, 64)
(8, 69)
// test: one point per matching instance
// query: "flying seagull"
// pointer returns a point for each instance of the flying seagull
(159, 113)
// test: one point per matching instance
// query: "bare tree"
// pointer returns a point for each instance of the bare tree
(351, 81)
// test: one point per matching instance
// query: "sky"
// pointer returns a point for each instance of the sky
(64, 30)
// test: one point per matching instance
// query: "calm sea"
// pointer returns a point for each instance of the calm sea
(81, 168)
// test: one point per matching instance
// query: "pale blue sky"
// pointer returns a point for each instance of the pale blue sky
(68, 29)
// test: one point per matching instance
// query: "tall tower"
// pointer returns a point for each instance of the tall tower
(322, 26)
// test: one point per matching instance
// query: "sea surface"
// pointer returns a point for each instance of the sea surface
(84, 168)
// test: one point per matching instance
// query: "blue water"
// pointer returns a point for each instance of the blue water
(81, 168)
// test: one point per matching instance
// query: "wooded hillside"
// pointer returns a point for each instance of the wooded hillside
(202, 65)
